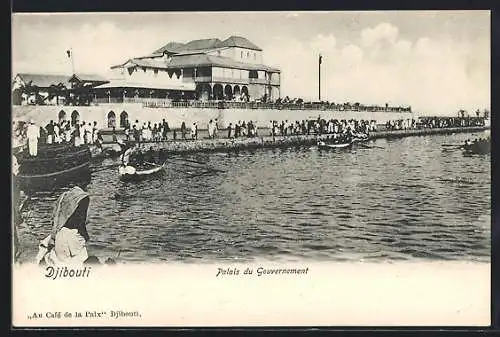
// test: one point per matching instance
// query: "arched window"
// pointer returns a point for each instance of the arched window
(123, 119)
(75, 117)
(62, 115)
(111, 119)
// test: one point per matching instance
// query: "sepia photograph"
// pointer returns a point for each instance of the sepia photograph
(309, 168)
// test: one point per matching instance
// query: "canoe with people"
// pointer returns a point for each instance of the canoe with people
(477, 146)
(136, 165)
(336, 142)
(323, 145)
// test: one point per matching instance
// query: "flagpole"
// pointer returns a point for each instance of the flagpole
(72, 62)
(319, 78)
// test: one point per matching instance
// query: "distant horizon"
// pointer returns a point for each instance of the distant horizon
(435, 61)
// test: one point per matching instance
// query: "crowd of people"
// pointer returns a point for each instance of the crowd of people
(147, 132)
(450, 122)
(80, 133)
(77, 134)
(160, 131)
(320, 126)
(434, 122)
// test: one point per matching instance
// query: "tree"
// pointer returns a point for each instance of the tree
(56, 91)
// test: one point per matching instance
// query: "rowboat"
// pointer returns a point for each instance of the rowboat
(323, 145)
(54, 166)
(360, 137)
(482, 146)
(130, 173)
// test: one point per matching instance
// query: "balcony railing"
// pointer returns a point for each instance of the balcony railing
(257, 81)
(230, 80)
(146, 100)
(203, 79)
(156, 103)
(107, 100)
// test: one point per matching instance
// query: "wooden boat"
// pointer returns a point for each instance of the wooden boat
(323, 145)
(55, 165)
(360, 137)
(128, 173)
(482, 146)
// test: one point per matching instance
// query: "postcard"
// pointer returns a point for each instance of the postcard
(187, 169)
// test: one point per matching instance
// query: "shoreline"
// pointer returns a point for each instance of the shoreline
(243, 143)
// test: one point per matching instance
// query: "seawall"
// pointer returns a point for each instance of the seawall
(225, 144)
(175, 116)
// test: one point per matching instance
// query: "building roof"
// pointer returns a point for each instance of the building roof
(196, 60)
(43, 80)
(142, 85)
(169, 47)
(238, 41)
(88, 78)
(200, 45)
(201, 59)
(144, 62)
(206, 44)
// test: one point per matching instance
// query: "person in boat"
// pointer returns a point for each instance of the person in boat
(130, 150)
(137, 157)
(50, 132)
(150, 155)
(33, 134)
(99, 140)
(67, 242)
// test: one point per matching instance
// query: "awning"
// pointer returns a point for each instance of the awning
(128, 84)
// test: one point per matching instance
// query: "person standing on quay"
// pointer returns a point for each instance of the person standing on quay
(183, 130)
(193, 131)
(33, 134)
(165, 130)
(210, 130)
(216, 128)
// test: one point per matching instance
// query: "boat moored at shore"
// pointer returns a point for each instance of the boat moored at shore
(55, 165)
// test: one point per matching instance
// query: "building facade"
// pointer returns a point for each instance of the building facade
(208, 69)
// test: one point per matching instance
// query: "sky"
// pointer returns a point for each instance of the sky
(433, 61)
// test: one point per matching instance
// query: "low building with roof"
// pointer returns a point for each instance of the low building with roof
(53, 89)
(206, 69)
(28, 88)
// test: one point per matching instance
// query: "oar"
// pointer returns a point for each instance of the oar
(189, 160)
(206, 167)
(106, 167)
(370, 147)
(198, 174)
(452, 145)
(150, 163)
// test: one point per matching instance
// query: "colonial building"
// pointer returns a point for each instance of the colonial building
(208, 69)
